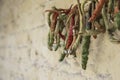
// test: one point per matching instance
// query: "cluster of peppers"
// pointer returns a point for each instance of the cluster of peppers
(76, 25)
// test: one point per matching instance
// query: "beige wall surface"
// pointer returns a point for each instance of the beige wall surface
(23, 47)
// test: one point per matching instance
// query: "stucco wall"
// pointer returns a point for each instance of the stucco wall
(23, 47)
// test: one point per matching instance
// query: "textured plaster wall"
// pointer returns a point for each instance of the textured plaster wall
(23, 47)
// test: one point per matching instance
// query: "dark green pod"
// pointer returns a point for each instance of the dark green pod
(85, 51)
(62, 57)
(117, 20)
(50, 40)
(49, 18)
(57, 42)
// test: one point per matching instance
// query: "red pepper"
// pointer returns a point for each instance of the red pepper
(70, 34)
(97, 10)
(61, 36)
(54, 21)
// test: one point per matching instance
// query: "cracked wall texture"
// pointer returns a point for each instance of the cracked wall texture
(23, 47)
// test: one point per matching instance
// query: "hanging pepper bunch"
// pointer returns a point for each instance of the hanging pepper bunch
(76, 25)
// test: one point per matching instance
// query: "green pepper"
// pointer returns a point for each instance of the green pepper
(117, 20)
(85, 50)
(50, 40)
(62, 57)
(49, 18)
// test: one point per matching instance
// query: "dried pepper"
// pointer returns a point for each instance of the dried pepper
(70, 34)
(75, 43)
(97, 10)
(50, 40)
(86, 39)
(85, 50)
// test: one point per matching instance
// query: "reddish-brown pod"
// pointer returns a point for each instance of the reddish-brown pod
(54, 21)
(70, 34)
(97, 10)
(61, 36)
